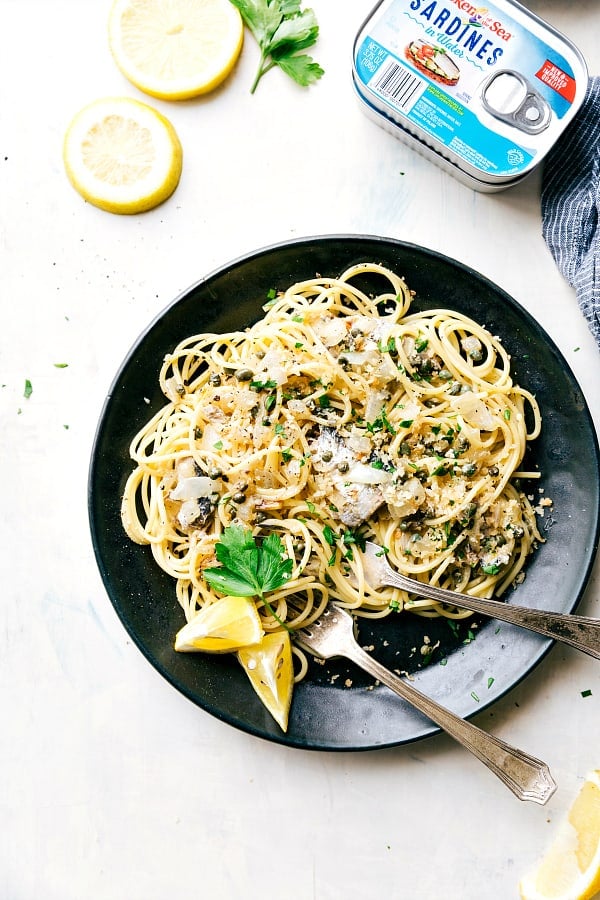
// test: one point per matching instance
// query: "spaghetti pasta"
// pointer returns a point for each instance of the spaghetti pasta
(340, 416)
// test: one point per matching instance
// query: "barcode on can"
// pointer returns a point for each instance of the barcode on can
(397, 84)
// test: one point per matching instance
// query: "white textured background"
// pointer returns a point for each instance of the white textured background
(112, 785)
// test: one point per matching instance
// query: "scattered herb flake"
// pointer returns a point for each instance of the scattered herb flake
(28, 391)
(586, 693)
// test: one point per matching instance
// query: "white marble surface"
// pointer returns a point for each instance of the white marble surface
(112, 785)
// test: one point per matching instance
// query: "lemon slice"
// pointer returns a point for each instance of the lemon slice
(175, 49)
(269, 667)
(224, 626)
(122, 155)
(570, 870)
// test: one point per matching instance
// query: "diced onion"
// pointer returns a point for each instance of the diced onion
(173, 389)
(375, 404)
(194, 488)
(407, 498)
(361, 473)
(473, 410)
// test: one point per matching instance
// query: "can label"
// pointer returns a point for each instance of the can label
(485, 84)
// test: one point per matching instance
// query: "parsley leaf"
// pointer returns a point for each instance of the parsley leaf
(282, 30)
(248, 569)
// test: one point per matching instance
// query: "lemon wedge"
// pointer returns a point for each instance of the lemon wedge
(222, 627)
(175, 49)
(122, 155)
(570, 869)
(269, 667)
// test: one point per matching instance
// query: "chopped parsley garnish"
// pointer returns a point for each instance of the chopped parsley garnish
(329, 535)
(28, 391)
(268, 385)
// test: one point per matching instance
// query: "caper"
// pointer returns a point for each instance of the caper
(244, 374)
(455, 388)
(327, 456)
(469, 469)
(214, 474)
(343, 466)
(239, 497)
(214, 379)
(476, 355)
(493, 470)
(445, 375)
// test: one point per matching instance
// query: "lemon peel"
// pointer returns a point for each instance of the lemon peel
(221, 627)
(175, 49)
(270, 669)
(570, 869)
(122, 155)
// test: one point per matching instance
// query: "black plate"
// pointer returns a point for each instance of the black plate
(471, 668)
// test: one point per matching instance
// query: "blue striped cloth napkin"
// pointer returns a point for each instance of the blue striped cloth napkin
(570, 201)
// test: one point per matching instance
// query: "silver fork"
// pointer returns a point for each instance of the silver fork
(580, 632)
(332, 634)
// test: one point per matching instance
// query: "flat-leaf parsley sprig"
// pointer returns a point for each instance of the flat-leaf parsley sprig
(249, 569)
(282, 30)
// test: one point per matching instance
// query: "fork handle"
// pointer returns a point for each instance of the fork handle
(527, 777)
(580, 632)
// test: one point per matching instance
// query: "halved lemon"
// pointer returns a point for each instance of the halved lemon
(570, 870)
(222, 627)
(122, 155)
(270, 669)
(175, 49)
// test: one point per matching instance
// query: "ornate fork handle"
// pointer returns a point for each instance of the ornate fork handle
(527, 777)
(580, 632)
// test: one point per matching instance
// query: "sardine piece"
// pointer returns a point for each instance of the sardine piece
(332, 460)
